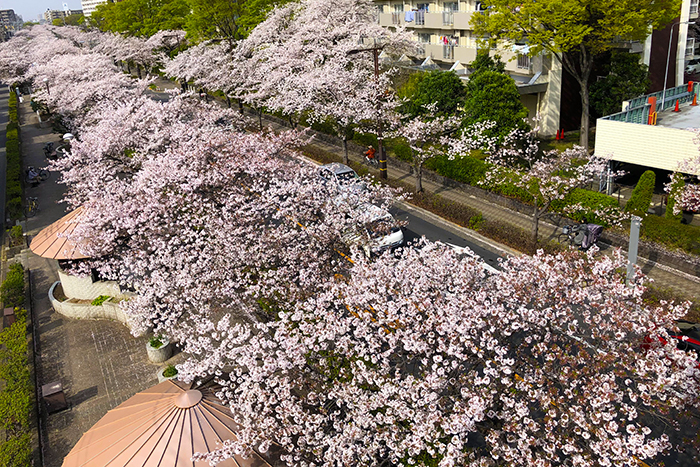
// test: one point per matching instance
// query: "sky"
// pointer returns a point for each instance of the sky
(30, 9)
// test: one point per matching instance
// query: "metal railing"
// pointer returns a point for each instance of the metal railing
(448, 18)
(639, 109)
(448, 52)
(396, 17)
(420, 18)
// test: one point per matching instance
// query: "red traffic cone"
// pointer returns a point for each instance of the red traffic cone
(557, 137)
(677, 109)
(695, 100)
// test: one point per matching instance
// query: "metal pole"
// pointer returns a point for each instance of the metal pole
(380, 137)
(633, 247)
(668, 59)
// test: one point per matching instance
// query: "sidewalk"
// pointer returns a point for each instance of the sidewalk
(685, 284)
(99, 363)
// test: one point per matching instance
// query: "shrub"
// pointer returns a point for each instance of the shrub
(12, 288)
(676, 187)
(170, 371)
(155, 342)
(365, 139)
(669, 232)
(17, 395)
(508, 234)
(100, 300)
(640, 200)
(16, 232)
(402, 150)
(466, 169)
(590, 201)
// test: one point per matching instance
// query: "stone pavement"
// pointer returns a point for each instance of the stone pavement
(99, 363)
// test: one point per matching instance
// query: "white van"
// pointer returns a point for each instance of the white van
(376, 230)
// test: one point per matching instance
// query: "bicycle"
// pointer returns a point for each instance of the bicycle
(572, 235)
(39, 175)
(31, 207)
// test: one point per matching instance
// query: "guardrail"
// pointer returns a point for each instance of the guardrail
(644, 109)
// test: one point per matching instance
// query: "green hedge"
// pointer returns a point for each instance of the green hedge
(17, 396)
(467, 170)
(13, 191)
(12, 288)
(591, 201)
(640, 200)
(669, 232)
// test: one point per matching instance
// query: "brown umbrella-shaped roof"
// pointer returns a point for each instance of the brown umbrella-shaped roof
(160, 427)
(52, 242)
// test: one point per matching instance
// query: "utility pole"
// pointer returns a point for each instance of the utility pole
(380, 137)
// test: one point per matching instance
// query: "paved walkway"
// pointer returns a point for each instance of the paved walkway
(99, 363)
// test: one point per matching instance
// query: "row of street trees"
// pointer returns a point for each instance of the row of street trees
(417, 357)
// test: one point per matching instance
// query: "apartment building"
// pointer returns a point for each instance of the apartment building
(50, 15)
(9, 23)
(668, 51)
(90, 5)
(442, 27)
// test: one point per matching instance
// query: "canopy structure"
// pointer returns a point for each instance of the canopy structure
(160, 427)
(52, 242)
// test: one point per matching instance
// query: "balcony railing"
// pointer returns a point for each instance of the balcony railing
(694, 7)
(448, 52)
(448, 18)
(396, 17)
(420, 18)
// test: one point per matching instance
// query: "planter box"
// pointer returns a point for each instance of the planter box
(161, 354)
(162, 378)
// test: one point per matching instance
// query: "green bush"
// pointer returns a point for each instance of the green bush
(365, 139)
(170, 371)
(12, 288)
(467, 169)
(100, 300)
(401, 149)
(17, 395)
(16, 232)
(155, 342)
(640, 200)
(13, 187)
(671, 233)
(591, 201)
(677, 186)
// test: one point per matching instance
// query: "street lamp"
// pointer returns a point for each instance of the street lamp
(380, 138)
(668, 59)
(48, 91)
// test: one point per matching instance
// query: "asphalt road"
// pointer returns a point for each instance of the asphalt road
(422, 225)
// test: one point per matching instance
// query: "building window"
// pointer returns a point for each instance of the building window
(424, 38)
(398, 8)
(690, 47)
(450, 6)
(524, 61)
(693, 7)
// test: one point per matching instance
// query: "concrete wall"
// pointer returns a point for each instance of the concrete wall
(74, 310)
(82, 288)
(646, 145)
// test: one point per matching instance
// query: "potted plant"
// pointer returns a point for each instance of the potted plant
(158, 348)
(167, 372)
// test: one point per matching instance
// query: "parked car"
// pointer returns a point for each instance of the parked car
(687, 338)
(693, 66)
(376, 230)
(341, 176)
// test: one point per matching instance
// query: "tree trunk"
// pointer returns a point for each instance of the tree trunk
(585, 115)
(128, 67)
(535, 226)
(183, 85)
(228, 102)
(240, 106)
(260, 111)
(346, 157)
(579, 65)
(138, 70)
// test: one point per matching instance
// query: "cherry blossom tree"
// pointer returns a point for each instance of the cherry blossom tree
(689, 197)
(421, 358)
(545, 176)
(425, 134)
